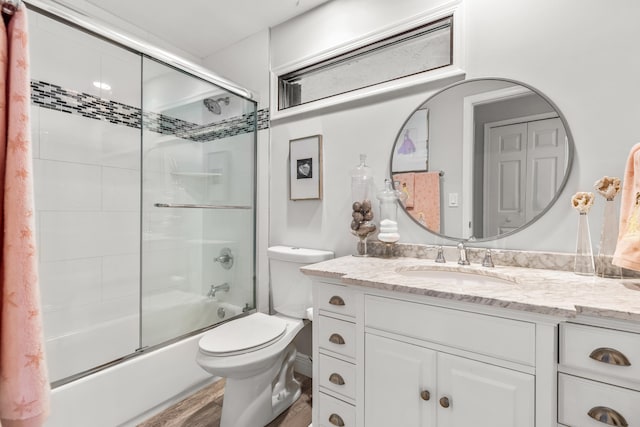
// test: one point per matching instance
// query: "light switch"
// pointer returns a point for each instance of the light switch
(453, 200)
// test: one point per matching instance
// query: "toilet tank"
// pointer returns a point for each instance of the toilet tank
(290, 289)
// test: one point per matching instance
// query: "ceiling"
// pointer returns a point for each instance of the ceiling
(203, 27)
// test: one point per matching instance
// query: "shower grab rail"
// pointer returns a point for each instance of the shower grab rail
(197, 206)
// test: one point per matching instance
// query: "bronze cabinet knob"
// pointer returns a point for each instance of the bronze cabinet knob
(444, 402)
(425, 395)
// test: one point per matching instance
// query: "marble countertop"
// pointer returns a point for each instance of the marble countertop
(550, 292)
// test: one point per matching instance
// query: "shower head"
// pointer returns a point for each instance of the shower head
(213, 105)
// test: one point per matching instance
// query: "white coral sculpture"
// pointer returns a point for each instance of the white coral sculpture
(608, 187)
(582, 201)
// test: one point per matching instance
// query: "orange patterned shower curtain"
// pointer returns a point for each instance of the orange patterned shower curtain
(24, 384)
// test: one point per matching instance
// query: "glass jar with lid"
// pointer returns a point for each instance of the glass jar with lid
(362, 189)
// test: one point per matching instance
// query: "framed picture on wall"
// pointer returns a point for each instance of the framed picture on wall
(411, 151)
(305, 168)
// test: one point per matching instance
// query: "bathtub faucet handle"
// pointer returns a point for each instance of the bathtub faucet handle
(225, 258)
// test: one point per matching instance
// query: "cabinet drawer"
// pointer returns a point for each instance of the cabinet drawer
(336, 299)
(337, 375)
(337, 335)
(577, 398)
(332, 411)
(505, 339)
(618, 352)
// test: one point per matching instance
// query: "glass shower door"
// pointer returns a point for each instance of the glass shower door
(198, 204)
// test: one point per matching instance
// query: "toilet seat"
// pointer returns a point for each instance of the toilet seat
(243, 335)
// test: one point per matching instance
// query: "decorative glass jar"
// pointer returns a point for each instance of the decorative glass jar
(362, 189)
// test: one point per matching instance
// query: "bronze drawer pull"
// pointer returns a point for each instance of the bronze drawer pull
(336, 379)
(607, 416)
(444, 402)
(336, 300)
(425, 395)
(610, 356)
(336, 339)
(336, 420)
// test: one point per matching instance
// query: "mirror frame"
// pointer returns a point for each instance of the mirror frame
(567, 173)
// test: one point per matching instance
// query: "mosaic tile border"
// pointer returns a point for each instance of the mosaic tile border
(54, 97)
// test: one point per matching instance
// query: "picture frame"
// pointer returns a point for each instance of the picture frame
(411, 150)
(305, 168)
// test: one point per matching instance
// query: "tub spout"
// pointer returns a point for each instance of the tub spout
(214, 289)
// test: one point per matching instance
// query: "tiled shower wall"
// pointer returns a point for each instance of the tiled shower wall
(87, 157)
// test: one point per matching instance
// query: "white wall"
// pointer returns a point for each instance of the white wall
(564, 49)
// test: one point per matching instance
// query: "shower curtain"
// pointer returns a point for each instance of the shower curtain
(24, 385)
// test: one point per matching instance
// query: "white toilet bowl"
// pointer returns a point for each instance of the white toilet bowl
(256, 355)
(256, 352)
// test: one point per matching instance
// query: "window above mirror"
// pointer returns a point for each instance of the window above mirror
(418, 50)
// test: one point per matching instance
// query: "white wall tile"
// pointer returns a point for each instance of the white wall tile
(72, 138)
(64, 186)
(69, 283)
(120, 276)
(70, 235)
(119, 233)
(120, 189)
(54, 46)
(122, 70)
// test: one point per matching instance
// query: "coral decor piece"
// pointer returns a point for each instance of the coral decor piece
(584, 263)
(582, 201)
(608, 187)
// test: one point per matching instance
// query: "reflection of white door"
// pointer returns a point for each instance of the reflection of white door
(524, 165)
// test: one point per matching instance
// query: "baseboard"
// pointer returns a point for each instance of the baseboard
(303, 365)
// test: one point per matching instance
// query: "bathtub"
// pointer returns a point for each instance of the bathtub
(138, 386)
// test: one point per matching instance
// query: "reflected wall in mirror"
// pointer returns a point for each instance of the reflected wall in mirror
(482, 159)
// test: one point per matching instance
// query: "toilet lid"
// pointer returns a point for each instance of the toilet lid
(243, 335)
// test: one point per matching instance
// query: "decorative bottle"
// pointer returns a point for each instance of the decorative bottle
(362, 189)
(388, 199)
(608, 187)
(584, 262)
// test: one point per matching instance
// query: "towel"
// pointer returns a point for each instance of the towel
(24, 384)
(406, 186)
(426, 201)
(627, 252)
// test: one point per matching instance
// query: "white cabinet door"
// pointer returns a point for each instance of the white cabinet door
(398, 377)
(483, 395)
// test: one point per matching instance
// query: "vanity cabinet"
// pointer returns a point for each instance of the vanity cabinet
(412, 385)
(422, 364)
(334, 356)
(599, 376)
(404, 360)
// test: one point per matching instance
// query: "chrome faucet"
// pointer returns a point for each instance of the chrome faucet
(214, 289)
(440, 256)
(462, 259)
(487, 261)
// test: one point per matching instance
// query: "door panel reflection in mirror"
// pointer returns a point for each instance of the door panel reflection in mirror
(505, 148)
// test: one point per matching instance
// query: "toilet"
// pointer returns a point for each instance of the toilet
(255, 353)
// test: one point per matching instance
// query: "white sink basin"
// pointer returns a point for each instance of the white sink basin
(455, 277)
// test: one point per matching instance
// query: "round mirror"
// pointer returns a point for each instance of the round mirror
(482, 159)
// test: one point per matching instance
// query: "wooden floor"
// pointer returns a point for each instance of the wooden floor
(203, 409)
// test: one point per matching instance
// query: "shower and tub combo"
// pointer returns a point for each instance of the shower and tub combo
(145, 208)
